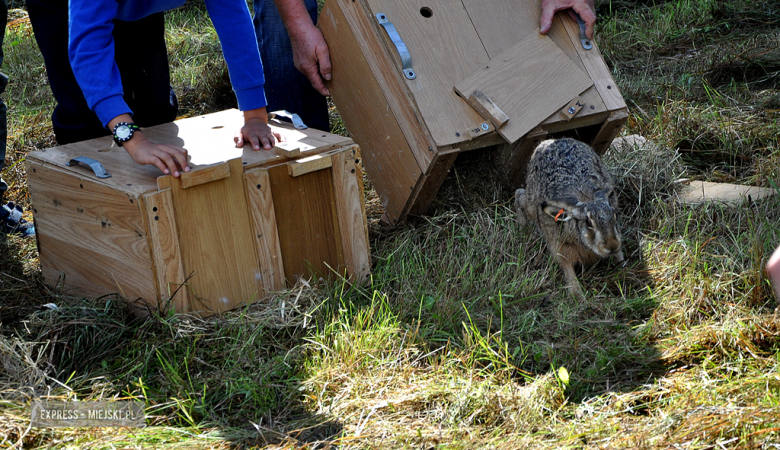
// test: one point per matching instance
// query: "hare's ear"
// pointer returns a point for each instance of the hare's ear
(603, 194)
(562, 209)
(609, 196)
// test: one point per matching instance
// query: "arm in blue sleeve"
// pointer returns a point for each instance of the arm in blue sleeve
(91, 53)
(233, 23)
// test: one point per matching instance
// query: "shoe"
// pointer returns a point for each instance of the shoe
(11, 221)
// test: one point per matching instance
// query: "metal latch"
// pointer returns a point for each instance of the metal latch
(294, 118)
(96, 167)
(586, 44)
(406, 58)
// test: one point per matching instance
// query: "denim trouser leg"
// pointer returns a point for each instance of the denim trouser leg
(285, 87)
(3, 108)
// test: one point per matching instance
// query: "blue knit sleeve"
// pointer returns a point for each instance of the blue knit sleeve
(233, 24)
(91, 53)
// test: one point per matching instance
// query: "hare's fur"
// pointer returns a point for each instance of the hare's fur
(569, 195)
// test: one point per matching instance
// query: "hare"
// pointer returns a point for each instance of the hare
(569, 195)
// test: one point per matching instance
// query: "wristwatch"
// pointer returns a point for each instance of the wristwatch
(124, 131)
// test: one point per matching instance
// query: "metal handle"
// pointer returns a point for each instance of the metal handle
(406, 58)
(294, 118)
(96, 167)
(586, 44)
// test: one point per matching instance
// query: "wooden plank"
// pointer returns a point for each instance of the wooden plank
(609, 130)
(203, 175)
(549, 80)
(445, 48)
(430, 185)
(351, 211)
(297, 149)
(288, 150)
(581, 121)
(487, 108)
(164, 239)
(208, 139)
(307, 223)
(596, 68)
(385, 221)
(214, 228)
(594, 105)
(126, 175)
(309, 164)
(261, 206)
(511, 160)
(481, 142)
(501, 24)
(367, 32)
(92, 233)
(387, 156)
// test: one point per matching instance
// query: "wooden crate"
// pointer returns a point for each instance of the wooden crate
(482, 76)
(236, 227)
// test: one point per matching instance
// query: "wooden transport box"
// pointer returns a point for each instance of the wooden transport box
(234, 228)
(418, 81)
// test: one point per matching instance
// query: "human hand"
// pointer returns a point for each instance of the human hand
(256, 131)
(773, 269)
(311, 55)
(585, 8)
(170, 159)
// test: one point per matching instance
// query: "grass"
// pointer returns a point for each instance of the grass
(465, 337)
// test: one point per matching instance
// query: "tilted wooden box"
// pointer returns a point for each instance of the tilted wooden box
(234, 228)
(418, 81)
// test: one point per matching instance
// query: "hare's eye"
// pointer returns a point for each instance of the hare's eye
(589, 222)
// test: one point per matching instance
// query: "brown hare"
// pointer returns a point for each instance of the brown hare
(569, 195)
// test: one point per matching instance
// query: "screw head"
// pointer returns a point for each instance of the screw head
(485, 126)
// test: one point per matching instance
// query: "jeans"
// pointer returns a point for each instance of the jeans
(285, 87)
(3, 108)
(142, 59)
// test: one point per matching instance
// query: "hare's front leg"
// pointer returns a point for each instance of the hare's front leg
(566, 255)
(570, 275)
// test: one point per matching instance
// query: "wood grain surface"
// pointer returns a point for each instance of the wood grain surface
(531, 79)
(387, 156)
(351, 211)
(215, 236)
(261, 207)
(90, 234)
(164, 243)
(307, 223)
(445, 49)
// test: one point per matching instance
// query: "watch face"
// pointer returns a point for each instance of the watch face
(122, 132)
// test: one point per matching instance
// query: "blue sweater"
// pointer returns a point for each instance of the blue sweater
(91, 49)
